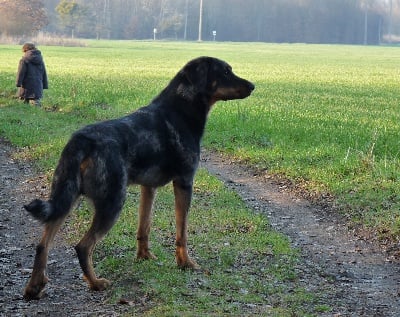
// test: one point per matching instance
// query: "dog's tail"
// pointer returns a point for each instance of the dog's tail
(66, 186)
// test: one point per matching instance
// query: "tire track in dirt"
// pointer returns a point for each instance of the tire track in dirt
(357, 277)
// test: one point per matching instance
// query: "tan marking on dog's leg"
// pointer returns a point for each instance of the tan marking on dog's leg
(182, 203)
(84, 250)
(147, 195)
(38, 280)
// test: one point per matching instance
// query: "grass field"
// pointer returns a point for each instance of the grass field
(325, 117)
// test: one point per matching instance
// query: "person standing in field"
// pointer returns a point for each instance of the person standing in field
(31, 75)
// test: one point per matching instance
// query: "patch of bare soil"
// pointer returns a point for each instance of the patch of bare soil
(356, 276)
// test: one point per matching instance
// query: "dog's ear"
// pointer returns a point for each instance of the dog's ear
(194, 78)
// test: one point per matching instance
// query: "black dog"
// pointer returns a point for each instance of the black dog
(156, 144)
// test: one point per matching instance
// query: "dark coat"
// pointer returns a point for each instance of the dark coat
(31, 75)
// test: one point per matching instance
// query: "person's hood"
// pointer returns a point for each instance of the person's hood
(33, 56)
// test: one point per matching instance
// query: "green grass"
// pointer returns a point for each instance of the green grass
(247, 267)
(324, 116)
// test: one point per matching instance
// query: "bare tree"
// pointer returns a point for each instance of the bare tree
(186, 19)
(71, 14)
(390, 21)
(19, 17)
(200, 19)
(310, 21)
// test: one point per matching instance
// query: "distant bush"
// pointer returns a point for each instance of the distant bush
(393, 39)
(42, 39)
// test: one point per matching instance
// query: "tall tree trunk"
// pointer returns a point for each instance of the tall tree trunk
(200, 19)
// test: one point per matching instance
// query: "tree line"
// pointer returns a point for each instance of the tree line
(308, 21)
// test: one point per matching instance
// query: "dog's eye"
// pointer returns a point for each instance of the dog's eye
(227, 72)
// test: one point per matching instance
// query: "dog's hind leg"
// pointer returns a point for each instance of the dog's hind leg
(38, 280)
(106, 213)
(183, 196)
(147, 195)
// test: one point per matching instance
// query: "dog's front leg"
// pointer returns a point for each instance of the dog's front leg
(183, 197)
(145, 213)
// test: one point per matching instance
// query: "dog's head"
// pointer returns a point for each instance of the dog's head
(212, 79)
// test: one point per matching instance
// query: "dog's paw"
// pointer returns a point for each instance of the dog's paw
(188, 263)
(183, 259)
(32, 292)
(99, 284)
(145, 255)
(35, 287)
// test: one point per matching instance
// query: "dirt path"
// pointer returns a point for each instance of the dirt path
(357, 278)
